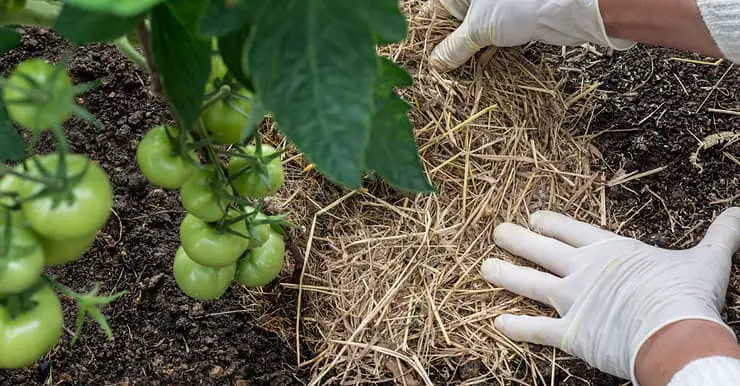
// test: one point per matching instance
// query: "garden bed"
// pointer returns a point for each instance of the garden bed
(390, 290)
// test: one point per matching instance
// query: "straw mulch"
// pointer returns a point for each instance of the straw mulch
(390, 290)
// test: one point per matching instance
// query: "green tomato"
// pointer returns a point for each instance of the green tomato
(200, 198)
(78, 211)
(212, 247)
(58, 252)
(201, 282)
(224, 124)
(160, 163)
(26, 338)
(250, 184)
(24, 259)
(35, 115)
(11, 184)
(262, 264)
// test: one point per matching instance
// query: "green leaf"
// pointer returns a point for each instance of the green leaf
(390, 76)
(313, 66)
(9, 39)
(231, 48)
(223, 17)
(393, 152)
(183, 62)
(385, 19)
(188, 12)
(83, 26)
(116, 7)
(11, 143)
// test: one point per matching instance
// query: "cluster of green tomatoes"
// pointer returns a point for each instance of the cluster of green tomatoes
(225, 236)
(51, 208)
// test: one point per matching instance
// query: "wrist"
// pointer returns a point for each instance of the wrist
(678, 344)
(666, 23)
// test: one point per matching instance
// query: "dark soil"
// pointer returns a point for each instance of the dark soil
(161, 336)
(650, 120)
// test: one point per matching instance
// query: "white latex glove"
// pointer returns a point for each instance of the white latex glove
(506, 23)
(612, 292)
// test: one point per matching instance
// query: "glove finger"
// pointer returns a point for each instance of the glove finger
(532, 329)
(568, 230)
(457, 8)
(551, 254)
(454, 51)
(528, 282)
(725, 230)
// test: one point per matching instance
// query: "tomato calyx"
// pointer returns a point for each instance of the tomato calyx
(58, 184)
(255, 217)
(18, 304)
(225, 225)
(255, 164)
(46, 88)
(181, 144)
(89, 305)
(223, 92)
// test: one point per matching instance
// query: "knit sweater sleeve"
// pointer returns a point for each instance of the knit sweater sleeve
(710, 371)
(722, 17)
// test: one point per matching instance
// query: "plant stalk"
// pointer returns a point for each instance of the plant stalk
(124, 45)
(221, 94)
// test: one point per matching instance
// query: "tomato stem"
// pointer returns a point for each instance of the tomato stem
(124, 45)
(223, 92)
(6, 170)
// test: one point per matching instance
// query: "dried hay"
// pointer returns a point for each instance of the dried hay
(390, 289)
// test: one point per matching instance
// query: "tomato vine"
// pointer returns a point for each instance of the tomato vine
(223, 66)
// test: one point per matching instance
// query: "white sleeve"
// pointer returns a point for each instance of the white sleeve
(710, 371)
(722, 17)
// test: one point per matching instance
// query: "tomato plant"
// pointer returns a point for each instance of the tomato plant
(74, 208)
(159, 160)
(58, 252)
(23, 259)
(202, 195)
(28, 334)
(223, 67)
(53, 86)
(199, 281)
(257, 176)
(224, 120)
(263, 264)
(51, 207)
(258, 226)
(213, 245)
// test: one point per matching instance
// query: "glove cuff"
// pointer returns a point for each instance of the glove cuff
(715, 319)
(616, 44)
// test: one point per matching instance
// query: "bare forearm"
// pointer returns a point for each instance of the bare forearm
(667, 23)
(678, 344)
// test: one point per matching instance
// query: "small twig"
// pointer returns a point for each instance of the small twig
(297, 258)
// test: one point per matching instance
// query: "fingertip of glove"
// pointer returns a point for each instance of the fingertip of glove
(539, 219)
(500, 323)
(501, 233)
(490, 269)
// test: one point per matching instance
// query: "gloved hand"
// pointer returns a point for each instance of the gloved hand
(506, 23)
(612, 292)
